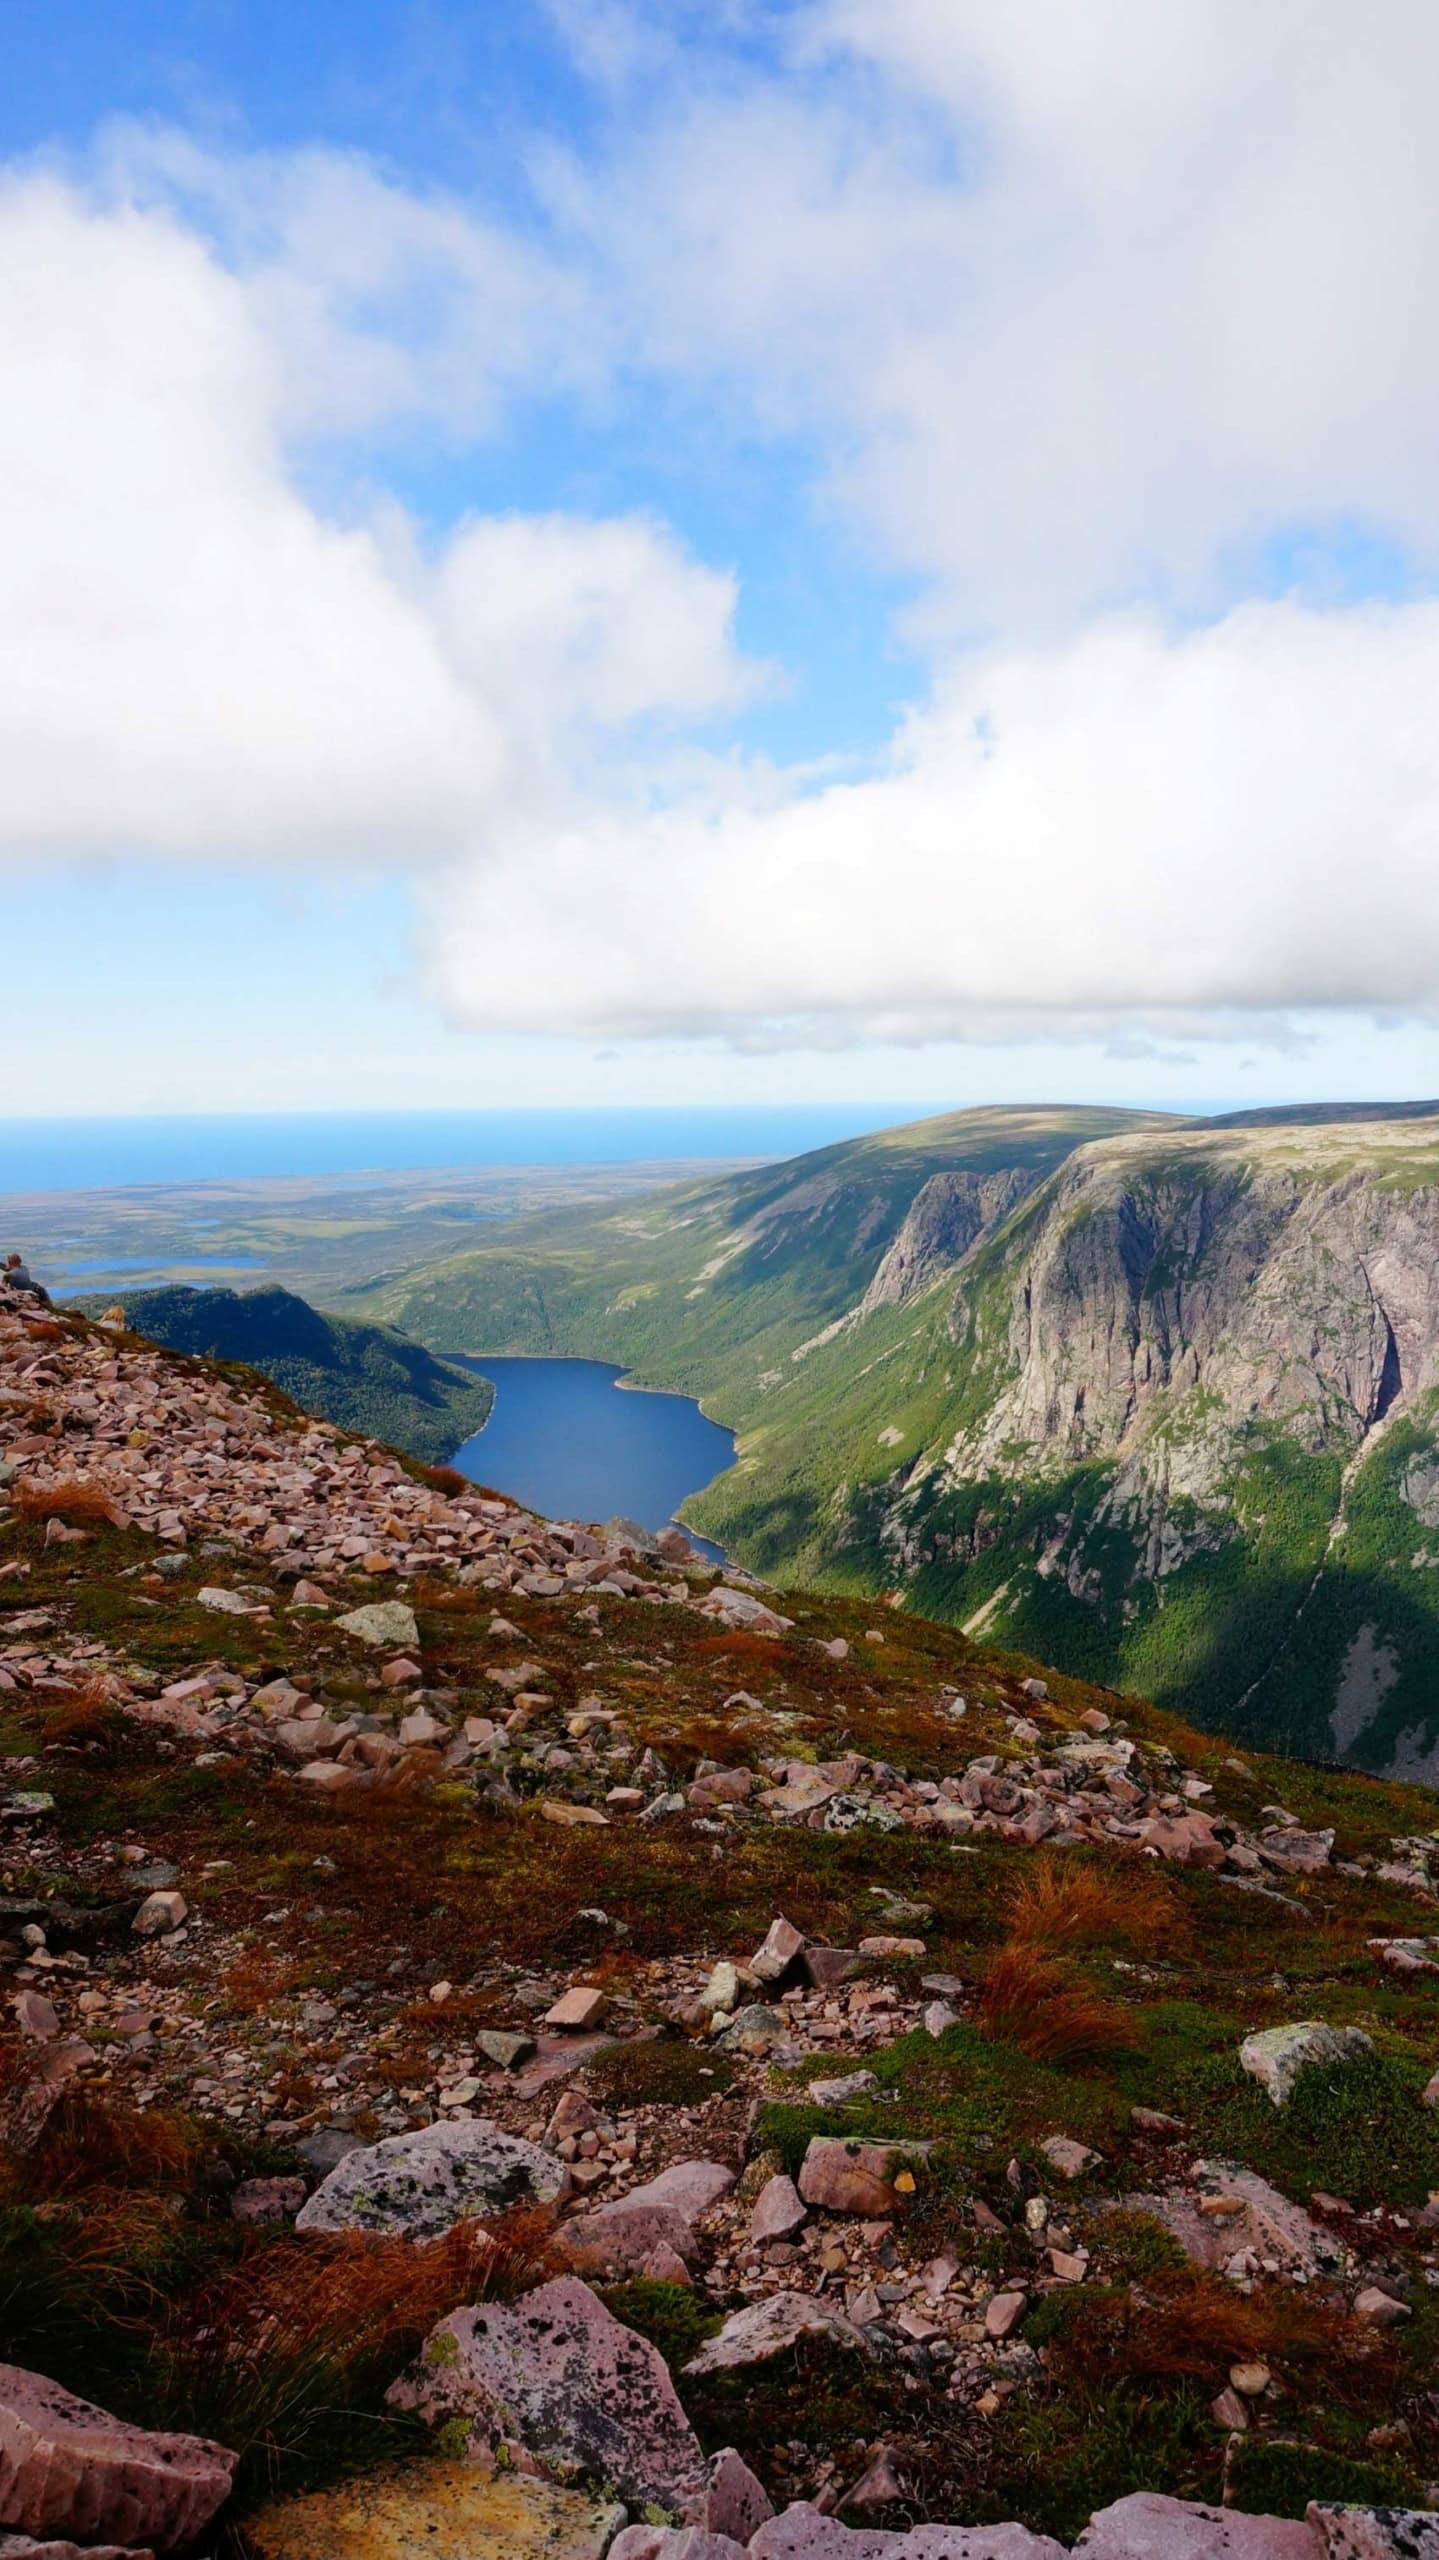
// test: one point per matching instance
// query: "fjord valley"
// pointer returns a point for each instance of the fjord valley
(1158, 1399)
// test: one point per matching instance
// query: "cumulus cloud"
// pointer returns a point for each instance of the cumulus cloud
(1124, 828)
(1068, 315)
(199, 665)
(1076, 303)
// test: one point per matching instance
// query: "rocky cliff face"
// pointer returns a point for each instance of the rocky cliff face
(952, 1214)
(1215, 1356)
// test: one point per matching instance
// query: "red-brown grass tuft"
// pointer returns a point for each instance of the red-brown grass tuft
(73, 1500)
(91, 2144)
(295, 2334)
(448, 1480)
(79, 1712)
(1063, 1906)
(1030, 2000)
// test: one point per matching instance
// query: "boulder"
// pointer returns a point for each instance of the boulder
(159, 1913)
(804, 2532)
(388, 1625)
(769, 2328)
(1374, 2533)
(68, 2468)
(438, 2510)
(851, 2176)
(1234, 2211)
(1067, 2158)
(560, 2375)
(619, 2237)
(1276, 2055)
(422, 2184)
(1149, 2527)
(782, 1945)
(675, 2542)
(779, 2210)
(735, 2501)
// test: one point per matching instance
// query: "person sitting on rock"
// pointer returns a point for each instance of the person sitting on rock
(19, 1279)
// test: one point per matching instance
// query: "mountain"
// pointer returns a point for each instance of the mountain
(466, 1983)
(365, 1376)
(1157, 1399)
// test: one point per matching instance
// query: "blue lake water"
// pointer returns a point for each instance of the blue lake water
(566, 1439)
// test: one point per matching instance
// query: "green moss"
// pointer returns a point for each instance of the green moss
(1359, 2132)
(671, 2316)
(1271, 2479)
(664, 2073)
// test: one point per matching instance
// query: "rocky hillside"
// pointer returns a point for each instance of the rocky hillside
(515, 2044)
(366, 1376)
(1157, 1401)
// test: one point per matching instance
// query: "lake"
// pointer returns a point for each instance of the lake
(565, 1438)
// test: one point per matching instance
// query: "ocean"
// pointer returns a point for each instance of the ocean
(95, 1155)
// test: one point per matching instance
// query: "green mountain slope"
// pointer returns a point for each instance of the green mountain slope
(1158, 1400)
(716, 1287)
(364, 1376)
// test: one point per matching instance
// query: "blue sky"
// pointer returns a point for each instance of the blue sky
(592, 551)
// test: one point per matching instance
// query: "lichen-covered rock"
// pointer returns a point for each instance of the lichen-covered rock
(560, 2375)
(1275, 2056)
(436, 2511)
(766, 2329)
(1374, 2533)
(383, 1623)
(421, 2184)
(69, 2468)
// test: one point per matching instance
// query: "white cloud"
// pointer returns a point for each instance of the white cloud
(1124, 829)
(199, 665)
(1075, 302)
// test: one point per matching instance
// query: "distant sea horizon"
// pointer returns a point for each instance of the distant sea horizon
(79, 1154)
(75, 1154)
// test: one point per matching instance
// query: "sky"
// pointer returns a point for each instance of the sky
(602, 551)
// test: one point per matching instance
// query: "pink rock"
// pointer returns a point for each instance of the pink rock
(781, 1945)
(769, 2328)
(850, 2176)
(804, 2533)
(666, 2266)
(670, 2542)
(779, 2211)
(1149, 2527)
(975, 2542)
(35, 2016)
(691, 2186)
(159, 1913)
(577, 2009)
(560, 2374)
(67, 2467)
(1003, 2313)
(736, 2502)
(401, 1672)
(619, 2238)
